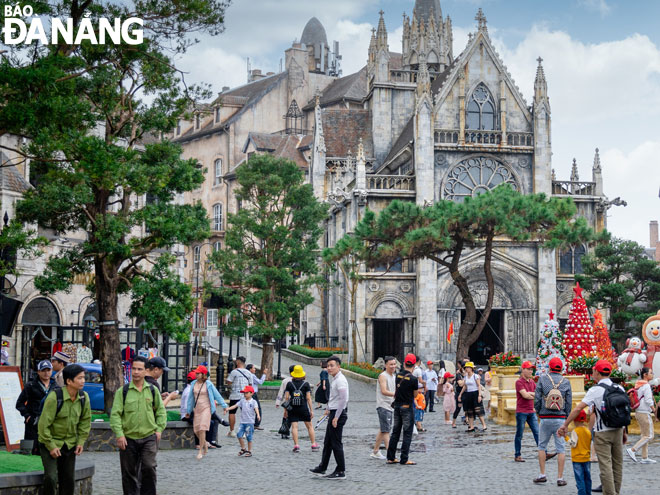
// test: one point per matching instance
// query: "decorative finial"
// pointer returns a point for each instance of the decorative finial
(381, 12)
(481, 19)
(596, 161)
(574, 172)
(551, 315)
(6, 219)
(539, 60)
(554, 175)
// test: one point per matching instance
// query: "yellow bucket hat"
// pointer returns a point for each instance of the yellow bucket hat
(469, 364)
(298, 372)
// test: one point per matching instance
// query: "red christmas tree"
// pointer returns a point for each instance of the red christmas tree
(604, 348)
(579, 338)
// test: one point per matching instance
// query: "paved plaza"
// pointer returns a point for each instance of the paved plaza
(448, 461)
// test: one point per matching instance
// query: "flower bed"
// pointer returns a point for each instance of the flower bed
(315, 353)
(505, 359)
(365, 369)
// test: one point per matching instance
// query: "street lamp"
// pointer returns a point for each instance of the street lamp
(279, 359)
(89, 324)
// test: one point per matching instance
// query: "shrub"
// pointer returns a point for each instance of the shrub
(365, 369)
(309, 352)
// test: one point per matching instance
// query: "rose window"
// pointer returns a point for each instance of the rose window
(477, 175)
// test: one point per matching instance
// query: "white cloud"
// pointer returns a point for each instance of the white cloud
(600, 6)
(635, 178)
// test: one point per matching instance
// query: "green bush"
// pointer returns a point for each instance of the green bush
(271, 383)
(371, 373)
(309, 352)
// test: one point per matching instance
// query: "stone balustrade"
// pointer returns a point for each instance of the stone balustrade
(484, 137)
(391, 182)
(573, 188)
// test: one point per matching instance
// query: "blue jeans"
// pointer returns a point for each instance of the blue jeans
(246, 430)
(582, 472)
(403, 420)
(532, 421)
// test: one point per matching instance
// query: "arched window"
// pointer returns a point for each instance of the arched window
(476, 175)
(217, 216)
(570, 260)
(481, 110)
(217, 171)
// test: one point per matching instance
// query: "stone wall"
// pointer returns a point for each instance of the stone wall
(177, 435)
(30, 483)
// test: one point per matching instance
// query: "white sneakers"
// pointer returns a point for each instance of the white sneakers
(378, 456)
(648, 461)
(631, 454)
(231, 433)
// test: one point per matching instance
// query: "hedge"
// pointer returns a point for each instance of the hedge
(371, 373)
(309, 352)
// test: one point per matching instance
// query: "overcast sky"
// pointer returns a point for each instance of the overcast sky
(601, 60)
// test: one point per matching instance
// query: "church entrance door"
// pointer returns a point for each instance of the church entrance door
(491, 340)
(388, 335)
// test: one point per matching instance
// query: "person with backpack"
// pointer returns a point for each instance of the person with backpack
(298, 401)
(64, 426)
(138, 418)
(611, 406)
(552, 401)
(644, 407)
(31, 399)
(201, 402)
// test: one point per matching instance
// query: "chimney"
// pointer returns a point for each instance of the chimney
(225, 88)
(653, 230)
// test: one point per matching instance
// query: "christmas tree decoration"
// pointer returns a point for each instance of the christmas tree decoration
(550, 344)
(604, 349)
(579, 339)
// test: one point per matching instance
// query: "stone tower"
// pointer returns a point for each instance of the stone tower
(429, 35)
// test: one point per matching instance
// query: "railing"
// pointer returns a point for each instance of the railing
(571, 188)
(391, 182)
(474, 136)
(404, 75)
(315, 341)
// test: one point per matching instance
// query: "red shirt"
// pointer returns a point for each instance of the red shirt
(525, 405)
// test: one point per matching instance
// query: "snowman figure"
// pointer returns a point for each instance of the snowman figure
(651, 334)
(632, 359)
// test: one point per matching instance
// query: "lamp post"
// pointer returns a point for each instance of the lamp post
(279, 359)
(89, 323)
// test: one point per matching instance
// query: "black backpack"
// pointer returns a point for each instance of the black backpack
(297, 396)
(153, 395)
(59, 396)
(615, 408)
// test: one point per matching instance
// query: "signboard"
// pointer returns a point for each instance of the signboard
(13, 425)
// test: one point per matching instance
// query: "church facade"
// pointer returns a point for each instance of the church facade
(421, 125)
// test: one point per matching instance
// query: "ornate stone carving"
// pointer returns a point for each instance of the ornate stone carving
(374, 286)
(405, 287)
(523, 162)
(440, 159)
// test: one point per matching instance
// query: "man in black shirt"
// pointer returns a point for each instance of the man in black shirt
(404, 416)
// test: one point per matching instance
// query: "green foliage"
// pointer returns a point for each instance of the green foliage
(619, 276)
(362, 370)
(310, 352)
(17, 241)
(269, 261)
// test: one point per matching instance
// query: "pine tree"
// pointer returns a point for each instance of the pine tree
(579, 338)
(550, 345)
(604, 349)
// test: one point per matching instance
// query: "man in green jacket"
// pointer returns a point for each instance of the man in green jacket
(138, 418)
(63, 428)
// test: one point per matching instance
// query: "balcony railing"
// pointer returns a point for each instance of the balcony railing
(391, 182)
(482, 137)
(573, 188)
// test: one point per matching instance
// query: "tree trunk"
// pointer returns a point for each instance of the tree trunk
(267, 355)
(471, 328)
(106, 299)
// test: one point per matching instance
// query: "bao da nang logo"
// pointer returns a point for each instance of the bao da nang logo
(16, 30)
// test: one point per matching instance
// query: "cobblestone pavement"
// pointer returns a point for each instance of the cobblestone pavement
(449, 461)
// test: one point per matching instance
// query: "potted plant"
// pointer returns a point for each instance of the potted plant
(618, 376)
(506, 363)
(582, 365)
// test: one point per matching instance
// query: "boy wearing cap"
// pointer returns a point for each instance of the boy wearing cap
(580, 441)
(249, 412)
(431, 386)
(404, 398)
(29, 401)
(156, 366)
(138, 418)
(608, 442)
(525, 389)
(239, 378)
(59, 361)
(552, 402)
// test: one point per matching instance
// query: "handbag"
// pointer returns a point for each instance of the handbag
(284, 428)
(286, 404)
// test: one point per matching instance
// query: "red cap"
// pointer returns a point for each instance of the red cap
(582, 417)
(248, 388)
(202, 369)
(555, 364)
(429, 362)
(192, 376)
(603, 366)
(448, 375)
(410, 358)
(526, 365)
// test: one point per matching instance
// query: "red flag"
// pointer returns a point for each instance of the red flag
(450, 332)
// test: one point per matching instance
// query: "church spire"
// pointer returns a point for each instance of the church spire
(381, 33)
(596, 166)
(574, 172)
(540, 84)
